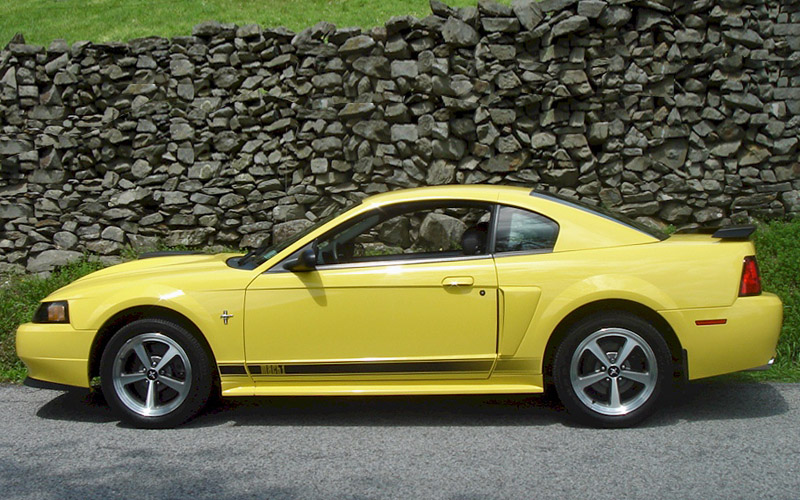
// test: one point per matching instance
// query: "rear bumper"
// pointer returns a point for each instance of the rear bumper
(746, 340)
(55, 353)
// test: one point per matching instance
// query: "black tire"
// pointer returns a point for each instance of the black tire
(587, 385)
(154, 396)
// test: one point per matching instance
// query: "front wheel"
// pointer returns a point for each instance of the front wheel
(155, 374)
(611, 369)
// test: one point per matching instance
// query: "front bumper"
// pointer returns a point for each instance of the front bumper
(747, 340)
(55, 353)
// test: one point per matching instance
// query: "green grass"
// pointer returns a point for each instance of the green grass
(19, 297)
(41, 21)
(780, 372)
(778, 254)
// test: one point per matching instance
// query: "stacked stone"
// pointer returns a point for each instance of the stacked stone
(786, 34)
(671, 111)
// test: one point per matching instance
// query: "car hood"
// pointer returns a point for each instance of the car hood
(182, 271)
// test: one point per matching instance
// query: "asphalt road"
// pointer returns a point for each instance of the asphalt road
(717, 439)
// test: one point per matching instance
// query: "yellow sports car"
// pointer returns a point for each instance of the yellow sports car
(440, 290)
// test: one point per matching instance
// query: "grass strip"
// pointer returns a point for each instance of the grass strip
(42, 21)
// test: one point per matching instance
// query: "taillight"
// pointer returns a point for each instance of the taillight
(751, 279)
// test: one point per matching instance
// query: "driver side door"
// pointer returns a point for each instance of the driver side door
(409, 292)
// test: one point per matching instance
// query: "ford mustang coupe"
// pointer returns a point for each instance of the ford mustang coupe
(440, 290)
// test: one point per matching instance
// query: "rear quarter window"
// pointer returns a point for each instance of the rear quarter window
(520, 230)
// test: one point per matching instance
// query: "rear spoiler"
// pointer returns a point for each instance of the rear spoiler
(725, 233)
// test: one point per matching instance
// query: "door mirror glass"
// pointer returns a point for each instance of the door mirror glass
(305, 261)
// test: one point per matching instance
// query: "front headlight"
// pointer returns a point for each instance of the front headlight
(52, 312)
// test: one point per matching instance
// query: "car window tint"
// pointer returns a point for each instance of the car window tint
(417, 231)
(519, 230)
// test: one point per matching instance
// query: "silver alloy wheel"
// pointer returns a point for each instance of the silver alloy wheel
(152, 374)
(613, 371)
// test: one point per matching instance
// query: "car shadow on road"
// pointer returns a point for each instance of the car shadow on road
(715, 399)
(472, 410)
(79, 406)
(720, 399)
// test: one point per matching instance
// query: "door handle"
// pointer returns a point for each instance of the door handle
(458, 281)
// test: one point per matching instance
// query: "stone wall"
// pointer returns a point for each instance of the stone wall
(675, 111)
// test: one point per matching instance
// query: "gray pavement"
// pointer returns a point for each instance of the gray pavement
(715, 439)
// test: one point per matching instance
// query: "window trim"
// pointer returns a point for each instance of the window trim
(397, 262)
(491, 238)
(278, 268)
(517, 253)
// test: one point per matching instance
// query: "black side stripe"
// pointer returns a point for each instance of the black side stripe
(526, 365)
(232, 370)
(371, 367)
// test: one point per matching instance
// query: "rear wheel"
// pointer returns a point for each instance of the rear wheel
(155, 374)
(611, 369)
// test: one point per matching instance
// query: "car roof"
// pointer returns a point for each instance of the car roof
(471, 191)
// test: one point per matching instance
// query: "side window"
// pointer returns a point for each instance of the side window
(418, 231)
(519, 230)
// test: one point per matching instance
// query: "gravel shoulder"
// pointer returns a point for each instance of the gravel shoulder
(715, 439)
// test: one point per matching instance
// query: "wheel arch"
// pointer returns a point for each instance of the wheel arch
(120, 319)
(608, 305)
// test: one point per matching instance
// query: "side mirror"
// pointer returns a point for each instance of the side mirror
(305, 261)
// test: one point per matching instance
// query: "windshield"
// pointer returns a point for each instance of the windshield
(603, 212)
(263, 253)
